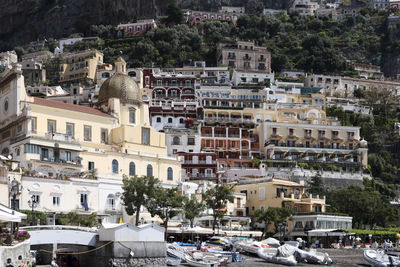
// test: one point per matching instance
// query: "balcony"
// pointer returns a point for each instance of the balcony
(75, 163)
(234, 136)
(231, 56)
(175, 143)
(261, 59)
(247, 57)
(200, 162)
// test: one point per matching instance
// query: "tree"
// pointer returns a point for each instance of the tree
(271, 215)
(137, 193)
(166, 203)
(175, 15)
(316, 185)
(266, 217)
(216, 199)
(192, 208)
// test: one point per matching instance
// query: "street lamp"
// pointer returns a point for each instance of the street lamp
(32, 204)
(14, 191)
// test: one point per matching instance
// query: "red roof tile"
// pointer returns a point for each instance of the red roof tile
(77, 108)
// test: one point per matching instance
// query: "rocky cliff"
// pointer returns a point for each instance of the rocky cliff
(28, 20)
(23, 21)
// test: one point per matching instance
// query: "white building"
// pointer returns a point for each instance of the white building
(304, 7)
(182, 140)
(252, 77)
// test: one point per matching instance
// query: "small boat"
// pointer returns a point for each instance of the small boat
(171, 261)
(200, 263)
(313, 256)
(252, 246)
(378, 258)
(271, 256)
(175, 251)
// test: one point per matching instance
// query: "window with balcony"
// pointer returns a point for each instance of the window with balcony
(51, 126)
(83, 199)
(111, 202)
(87, 132)
(114, 166)
(68, 156)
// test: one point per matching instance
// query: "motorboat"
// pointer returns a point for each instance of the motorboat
(271, 256)
(171, 261)
(219, 241)
(378, 258)
(200, 262)
(313, 257)
(176, 251)
(252, 246)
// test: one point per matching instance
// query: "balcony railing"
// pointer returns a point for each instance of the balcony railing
(200, 162)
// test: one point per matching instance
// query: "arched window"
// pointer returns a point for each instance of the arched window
(170, 174)
(149, 170)
(115, 166)
(110, 202)
(132, 169)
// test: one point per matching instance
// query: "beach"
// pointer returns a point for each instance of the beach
(340, 257)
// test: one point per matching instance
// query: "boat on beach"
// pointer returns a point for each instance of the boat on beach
(378, 258)
(271, 256)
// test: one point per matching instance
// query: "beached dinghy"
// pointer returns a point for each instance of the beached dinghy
(176, 251)
(271, 256)
(313, 256)
(171, 261)
(378, 258)
(200, 263)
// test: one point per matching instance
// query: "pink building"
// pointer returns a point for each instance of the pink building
(197, 17)
(137, 28)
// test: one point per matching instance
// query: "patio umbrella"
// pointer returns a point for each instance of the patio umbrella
(6, 217)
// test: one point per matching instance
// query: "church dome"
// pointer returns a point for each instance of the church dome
(120, 85)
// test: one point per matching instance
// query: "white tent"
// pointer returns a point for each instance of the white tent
(6, 217)
(6, 209)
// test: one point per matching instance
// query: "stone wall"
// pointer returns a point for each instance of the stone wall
(19, 254)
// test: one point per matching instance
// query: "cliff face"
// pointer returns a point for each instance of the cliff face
(28, 20)
(23, 21)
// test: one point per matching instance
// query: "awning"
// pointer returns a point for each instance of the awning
(326, 232)
(6, 217)
(10, 211)
(297, 233)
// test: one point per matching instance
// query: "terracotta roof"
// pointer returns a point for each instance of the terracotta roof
(77, 108)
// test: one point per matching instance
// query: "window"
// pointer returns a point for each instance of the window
(132, 113)
(34, 149)
(191, 141)
(169, 120)
(111, 202)
(159, 82)
(70, 129)
(36, 198)
(91, 165)
(83, 199)
(68, 156)
(149, 170)
(115, 166)
(145, 136)
(87, 133)
(33, 124)
(176, 141)
(132, 169)
(56, 201)
(104, 136)
(181, 121)
(188, 83)
(170, 174)
(158, 119)
(51, 126)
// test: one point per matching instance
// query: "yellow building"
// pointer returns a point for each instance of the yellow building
(59, 141)
(80, 66)
(266, 192)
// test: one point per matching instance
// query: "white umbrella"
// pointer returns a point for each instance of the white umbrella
(6, 217)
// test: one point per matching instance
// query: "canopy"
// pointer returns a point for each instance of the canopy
(6, 217)
(326, 232)
(6, 209)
